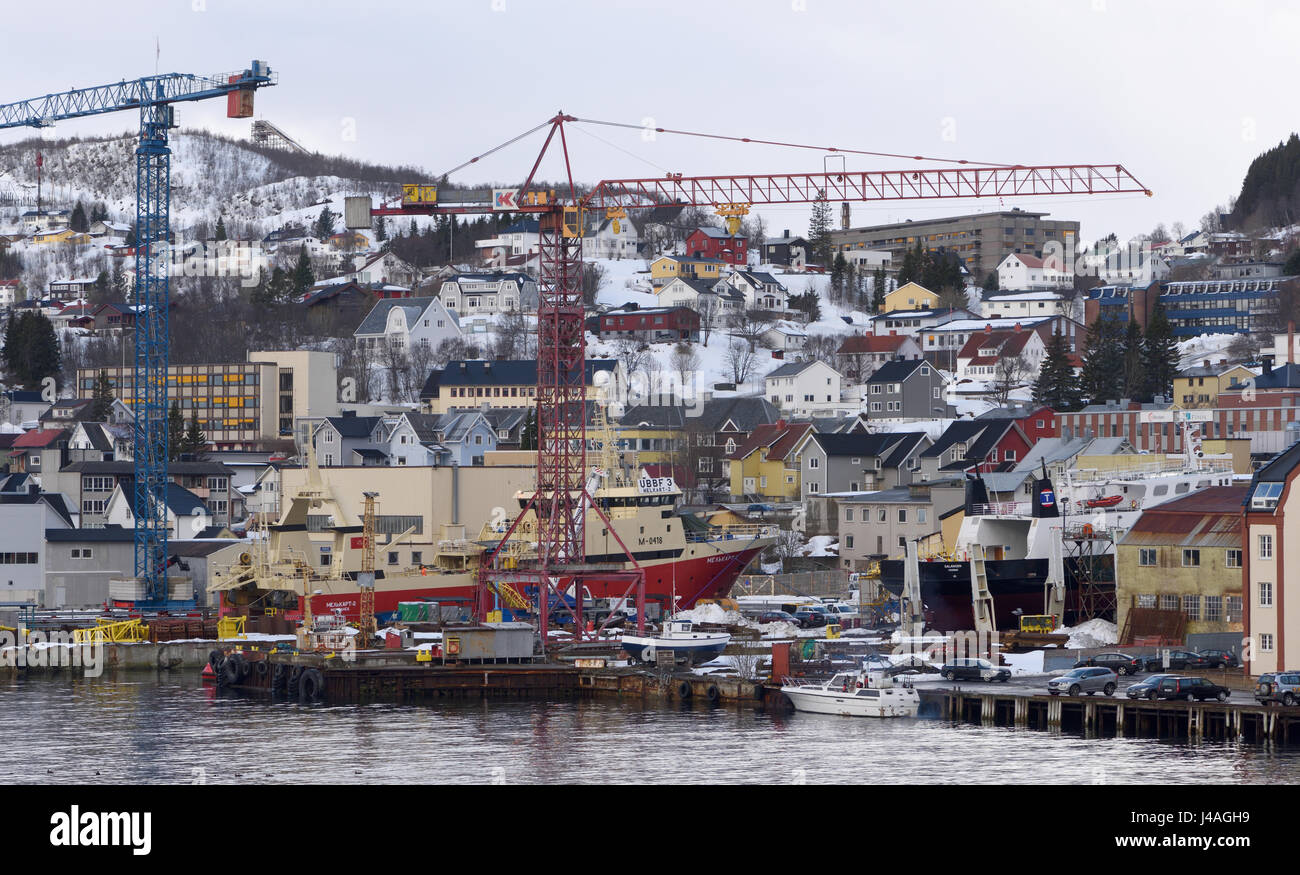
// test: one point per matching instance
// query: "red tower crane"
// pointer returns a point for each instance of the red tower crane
(561, 497)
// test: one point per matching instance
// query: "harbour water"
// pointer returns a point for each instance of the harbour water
(139, 728)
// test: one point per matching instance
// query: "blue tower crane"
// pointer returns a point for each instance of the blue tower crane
(153, 96)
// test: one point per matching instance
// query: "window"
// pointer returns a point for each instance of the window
(1266, 496)
(392, 557)
(1234, 609)
(1213, 609)
(1168, 602)
(848, 514)
(1192, 607)
(1265, 594)
(1265, 546)
(814, 463)
(1266, 642)
(1146, 600)
(1232, 559)
(1191, 558)
(848, 541)
(1147, 556)
(902, 514)
(880, 515)
(416, 557)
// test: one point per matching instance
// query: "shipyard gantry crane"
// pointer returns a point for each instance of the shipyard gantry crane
(561, 494)
(153, 97)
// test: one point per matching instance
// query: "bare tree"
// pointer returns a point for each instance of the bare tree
(741, 358)
(685, 362)
(593, 274)
(710, 310)
(1010, 373)
(750, 325)
(1243, 348)
(821, 347)
(392, 356)
(510, 340)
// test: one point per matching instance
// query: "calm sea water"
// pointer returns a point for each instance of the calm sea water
(144, 729)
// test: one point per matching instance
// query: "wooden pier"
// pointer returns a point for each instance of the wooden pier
(1118, 717)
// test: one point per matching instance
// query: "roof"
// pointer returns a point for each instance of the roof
(779, 438)
(979, 435)
(1026, 260)
(745, 412)
(377, 319)
(1284, 377)
(717, 233)
(897, 495)
(38, 438)
(127, 468)
(498, 373)
(860, 344)
(858, 443)
(1206, 518)
(1006, 343)
(1275, 470)
(792, 369)
(181, 501)
(354, 426)
(896, 371)
(107, 534)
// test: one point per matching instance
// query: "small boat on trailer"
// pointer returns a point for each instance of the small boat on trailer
(860, 693)
(680, 637)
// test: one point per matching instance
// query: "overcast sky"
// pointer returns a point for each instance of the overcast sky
(1184, 94)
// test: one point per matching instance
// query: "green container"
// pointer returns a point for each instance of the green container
(413, 612)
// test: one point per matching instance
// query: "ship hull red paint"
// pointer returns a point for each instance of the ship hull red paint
(704, 577)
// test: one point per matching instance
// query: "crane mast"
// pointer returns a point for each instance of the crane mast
(153, 97)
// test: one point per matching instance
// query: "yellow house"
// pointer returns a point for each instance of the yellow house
(765, 464)
(66, 235)
(910, 296)
(1200, 387)
(667, 268)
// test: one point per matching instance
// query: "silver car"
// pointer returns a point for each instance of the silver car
(1084, 680)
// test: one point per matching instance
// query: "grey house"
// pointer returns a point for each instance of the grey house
(351, 440)
(906, 390)
(858, 462)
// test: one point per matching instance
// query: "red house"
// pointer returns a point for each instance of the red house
(717, 243)
(651, 324)
(1035, 421)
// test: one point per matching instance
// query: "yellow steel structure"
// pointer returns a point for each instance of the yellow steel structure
(229, 628)
(732, 215)
(113, 631)
(366, 579)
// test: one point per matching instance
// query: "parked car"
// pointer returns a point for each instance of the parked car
(1177, 659)
(1199, 689)
(1120, 663)
(1146, 688)
(1220, 658)
(1278, 686)
(777, 617)
(1084, 680)
(974, 670)
(809, 619)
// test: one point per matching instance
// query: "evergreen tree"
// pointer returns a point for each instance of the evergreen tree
(1160, 353)
(194, 440)
(879, 282)
(324, 227)
(381, 230)
(528, 434)
(1057, 385)
(40, 356)
(175, 432)
(78, 221)
(11, 351)
(819, 230)
(101, 403)
(913, 264)
(1103, 361)
(119, 289)
(99, 212)
(221, 228)
(303, 279)
(991, 282)
(839, 272)
(1135, 382)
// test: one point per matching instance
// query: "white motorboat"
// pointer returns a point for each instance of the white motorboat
(680, 637)
(859, 693)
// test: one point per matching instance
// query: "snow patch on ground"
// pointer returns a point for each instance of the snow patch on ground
(821, 545)
(1093, 633)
